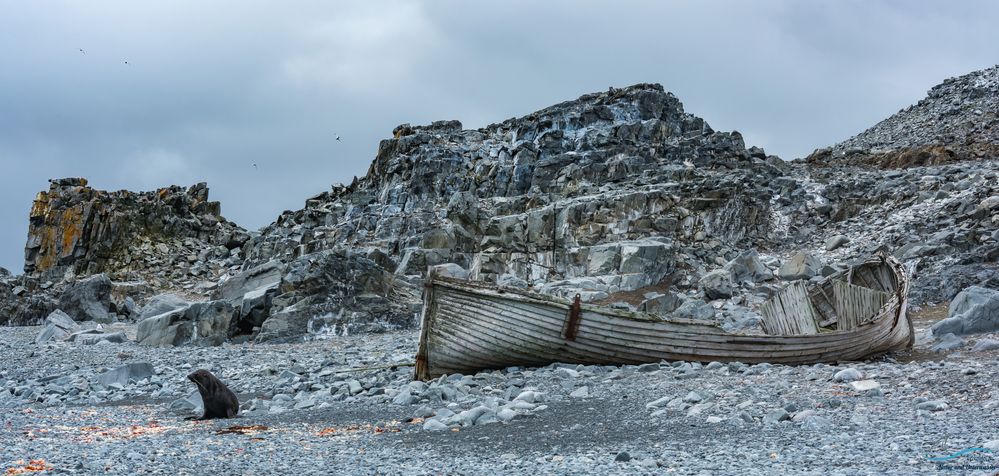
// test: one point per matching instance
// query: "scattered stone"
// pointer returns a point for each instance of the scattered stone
(693, 397)
(864, 385)
(836, 241)
(948, 342)
(933, 405)
(985, 345)
(775, 416)
(848, 375)
(816, 423)
(747, 267)
(718, 284)
(58, 326)
(801, 266)
(658, 403)
(127, 373)
(434, 425)
(95, 336)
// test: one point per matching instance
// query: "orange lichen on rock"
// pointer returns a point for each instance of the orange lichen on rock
(40, 206)
(71, 224)
(33, 466)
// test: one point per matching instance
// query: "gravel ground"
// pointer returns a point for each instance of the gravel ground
(304, 414)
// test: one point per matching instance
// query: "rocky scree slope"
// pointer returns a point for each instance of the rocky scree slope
(957, 120)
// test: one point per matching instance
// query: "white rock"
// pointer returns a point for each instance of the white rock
(864, 385)
(658, 403)
(581, 392)
(434, 425)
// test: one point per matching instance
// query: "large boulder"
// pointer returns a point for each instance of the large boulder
(58, 326)
(801, 266)
(264, 276)
(347, 290)
(718, 284)
(162, 304)
(747, 267)
(88, 299)
(251, 292)
(975, 310)
(201, 323)
(661, 304)
(695, 309)
(450, 270)
(836, 241)
(288, 323)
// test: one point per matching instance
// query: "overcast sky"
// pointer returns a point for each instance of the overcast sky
(211, 88)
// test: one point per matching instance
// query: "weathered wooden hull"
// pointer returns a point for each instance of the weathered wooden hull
(467, 327)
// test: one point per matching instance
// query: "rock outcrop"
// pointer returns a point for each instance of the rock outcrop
(78, 230)
(92, 253)
(622, 185)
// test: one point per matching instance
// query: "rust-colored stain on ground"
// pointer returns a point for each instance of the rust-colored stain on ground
(32, 466)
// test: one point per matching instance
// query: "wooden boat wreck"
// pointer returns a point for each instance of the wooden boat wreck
(469, 326)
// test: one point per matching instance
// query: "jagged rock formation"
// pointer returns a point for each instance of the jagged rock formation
(958, 120)
(622, 186)
(77, 229)
(146, 242)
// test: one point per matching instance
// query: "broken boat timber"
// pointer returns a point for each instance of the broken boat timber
(469, 326)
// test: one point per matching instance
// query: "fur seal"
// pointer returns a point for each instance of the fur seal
(218, 400)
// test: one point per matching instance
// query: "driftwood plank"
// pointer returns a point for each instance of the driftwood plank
(855, 305)
(790, 312)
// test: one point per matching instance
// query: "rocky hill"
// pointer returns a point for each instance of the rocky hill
(551, 196)
(611, 193)
(619, 196)
(957, 120)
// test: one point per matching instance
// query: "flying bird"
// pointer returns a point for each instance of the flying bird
(254, 166)
(126, 62)
(81, 51)
(337, 137)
